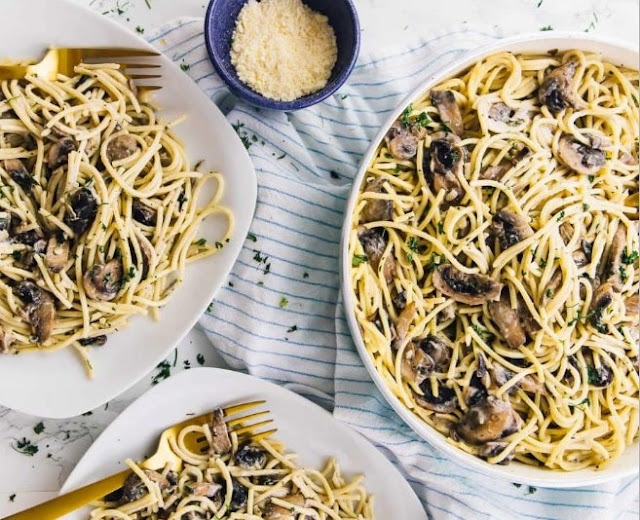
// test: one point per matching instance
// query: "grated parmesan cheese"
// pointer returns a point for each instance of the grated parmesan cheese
(283, 49)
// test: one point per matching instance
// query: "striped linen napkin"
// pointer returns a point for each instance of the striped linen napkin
(280, 317)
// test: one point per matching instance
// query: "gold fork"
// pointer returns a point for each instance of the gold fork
(163, 456)
(63, 61)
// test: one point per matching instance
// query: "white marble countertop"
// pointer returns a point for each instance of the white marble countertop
(26, 480)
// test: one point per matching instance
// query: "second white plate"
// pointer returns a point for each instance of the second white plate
(303, 426)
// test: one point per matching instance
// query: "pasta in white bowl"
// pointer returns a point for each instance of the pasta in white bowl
(491, 260)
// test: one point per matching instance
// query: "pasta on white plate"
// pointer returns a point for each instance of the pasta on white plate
(494, 250)
(248, 481)
(99, 209)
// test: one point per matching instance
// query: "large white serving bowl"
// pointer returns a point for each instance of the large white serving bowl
(618, 53)
(55, 384)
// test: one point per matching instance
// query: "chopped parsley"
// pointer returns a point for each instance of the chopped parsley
(358, 259)
(200, 359)
(164, 371)
(532, 490)
(585, 207)
(128, 276)
(560, 216)
(187, 364)
(38, 428)
(446, 128)
(292, 329)
(283, 302)
(550, 293)
(334, 174)
(12, 497)
(139, 29)
(435, 260)
(629, 258)
(200, 242)
(281, 156)
(244, 137)
(219, 245)
(584, 401)
(252, 237)
(591, 178)
(592, 375)
(185, 66)
(404, 117)
(305, 275)
(484, 334)
(16, 255)
(413, 248)
(424, 119)
(258, 256)
(623, 273)
(344, 96)
(25, 446)
(516, 484)
(441, 227)
(546, 28)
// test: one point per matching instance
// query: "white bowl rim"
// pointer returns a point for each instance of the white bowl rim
(514, 472)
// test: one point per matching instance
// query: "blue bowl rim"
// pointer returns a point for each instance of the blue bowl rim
(237, 87)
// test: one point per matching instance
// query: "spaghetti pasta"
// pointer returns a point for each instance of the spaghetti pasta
(248, 481)
(494, 250)
(99, 209)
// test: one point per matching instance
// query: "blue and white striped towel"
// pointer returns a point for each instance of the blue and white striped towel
(280, 317)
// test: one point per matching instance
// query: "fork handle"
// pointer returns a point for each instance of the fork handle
(62, 505)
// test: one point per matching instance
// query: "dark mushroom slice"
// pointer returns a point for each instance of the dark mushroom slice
(96, 341)
(103, 281)
(121, 147)
(489, 420)
(205, 489)
(399, 300)
(82, 212)
(602, 298)
(374, 242)
(143, 213)
(580, 157)
(30, 237)
(443, 164)
(220, 442)
(445, 402)
(18, 172)
(59, 152)
(475, 392)
(135, 489)
(510, 228)
(401, 142)
(417, 365)
(376, 209)
(40, 309)
(502, 118)
(275, 512)
(250, 456)
(57, 254)
(239, 494)
(493, 449)
(600, 377)
(495, 173)
(445, 102)
(508, 320)
(557, 91)
(632, 305)
(472, 289)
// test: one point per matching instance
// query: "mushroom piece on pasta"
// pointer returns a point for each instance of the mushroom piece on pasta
(472, 289)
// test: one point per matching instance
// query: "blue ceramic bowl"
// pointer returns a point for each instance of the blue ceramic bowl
(220, 22)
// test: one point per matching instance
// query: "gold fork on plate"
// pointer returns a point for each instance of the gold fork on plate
(63, 61)
(163, 456)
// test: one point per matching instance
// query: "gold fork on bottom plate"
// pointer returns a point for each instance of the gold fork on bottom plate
(64, 60)
(163, 456)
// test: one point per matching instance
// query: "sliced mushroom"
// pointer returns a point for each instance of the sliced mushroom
(59, 152)
(448, 313)
(600, 377)
(445, 402)
(40, 309)
(557, 91)
(580, 157)
(472, 289)
(103, 281)
(96, 341)
(374, 243)
(239, 494)
(632, 305)
(475, 392)
(5, 220)
(5, 341)
(602, 298)
(399, 300)
(250, 456)
(402, 143)
(121, 147)
(508, 320)
(445, 164)
(134, 488)
(57, 254)
(376, 209)
(220, 442)
(614, 258)
(445, 102)
(488, 421)
(495, 173)
(510, 228)
(29, 237)
(501, 376)
(206, 489)
(165, 158)
(501, 118)
(276, 512)
(628, 159)
(82, 212)
(404, 320)
(493, 449)
(416, 364)
(18, 172)
(143, 213)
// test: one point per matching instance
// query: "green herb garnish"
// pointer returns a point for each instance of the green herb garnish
(38, 428)
(358, 259)
(283, 302)
(629, 258)
(404, 117)
(25, 446)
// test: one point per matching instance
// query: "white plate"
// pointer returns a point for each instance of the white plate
(55, 384)
(303, 426)
(618, 53)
